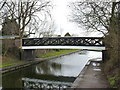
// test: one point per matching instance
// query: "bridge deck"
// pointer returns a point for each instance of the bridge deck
(65, 47)
(91, 43)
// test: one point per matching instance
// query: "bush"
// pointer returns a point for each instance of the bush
(114, 82)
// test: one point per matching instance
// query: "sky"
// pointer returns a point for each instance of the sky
(61, 13)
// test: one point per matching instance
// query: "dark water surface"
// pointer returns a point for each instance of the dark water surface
(63, 69)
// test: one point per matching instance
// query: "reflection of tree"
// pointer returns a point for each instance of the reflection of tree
(48, 68)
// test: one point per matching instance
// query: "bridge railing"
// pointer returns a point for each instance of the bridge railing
(63, 41)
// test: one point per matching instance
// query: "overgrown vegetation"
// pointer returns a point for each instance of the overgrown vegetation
(114, 81)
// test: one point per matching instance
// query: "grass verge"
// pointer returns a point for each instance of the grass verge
(55, 53)
(11, 60)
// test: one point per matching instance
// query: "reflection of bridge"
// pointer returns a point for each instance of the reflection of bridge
(85, 43)
(44, 84)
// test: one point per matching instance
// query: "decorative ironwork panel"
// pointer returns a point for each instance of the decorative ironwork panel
(63, 41)
(44, 84)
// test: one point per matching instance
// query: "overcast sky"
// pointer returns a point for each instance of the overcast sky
(61, 13)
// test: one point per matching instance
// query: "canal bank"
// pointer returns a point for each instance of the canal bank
(64, 69)
(91, 77)
(28, 63)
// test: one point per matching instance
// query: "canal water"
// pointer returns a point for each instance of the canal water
(62, 69)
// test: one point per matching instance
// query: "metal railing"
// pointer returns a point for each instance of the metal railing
(63, 41)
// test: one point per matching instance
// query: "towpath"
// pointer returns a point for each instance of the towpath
(91, 77)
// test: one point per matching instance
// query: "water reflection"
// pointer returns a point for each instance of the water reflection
(64, 66)
(44, 84)
(63, 69)
(47, 67)
(94, 54)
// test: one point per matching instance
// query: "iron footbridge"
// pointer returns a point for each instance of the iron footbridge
(64, 43)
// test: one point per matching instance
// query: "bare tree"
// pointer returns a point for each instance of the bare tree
(47, 29)
(102, 17)
(26, 13)
(94, 16)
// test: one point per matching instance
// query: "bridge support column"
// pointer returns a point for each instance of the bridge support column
(104, 55)
(28, 54)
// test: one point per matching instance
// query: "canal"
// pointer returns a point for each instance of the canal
(64, 69)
